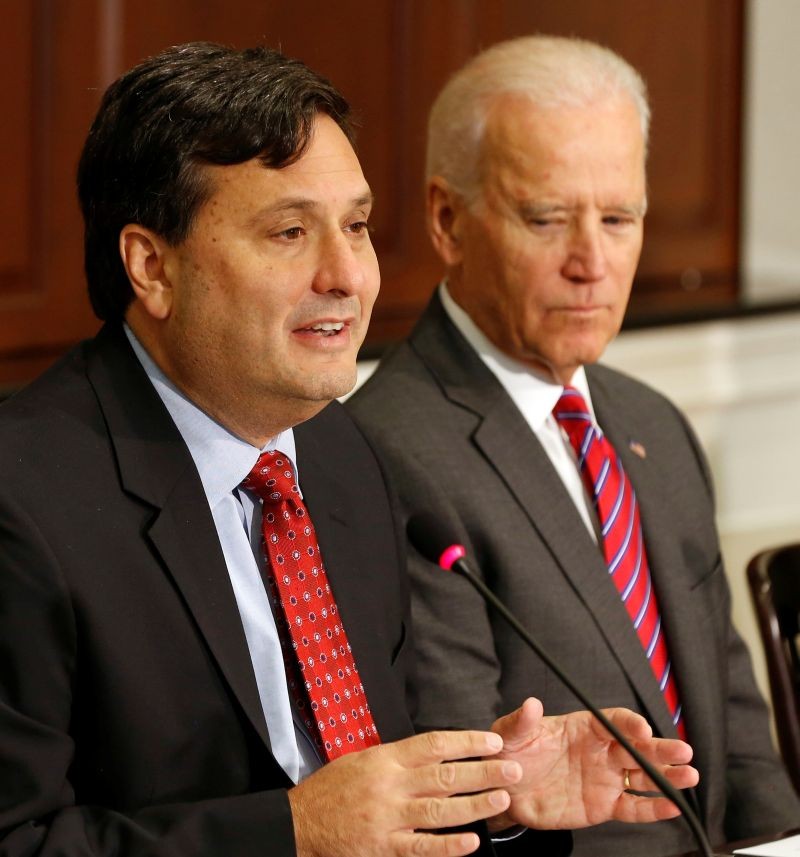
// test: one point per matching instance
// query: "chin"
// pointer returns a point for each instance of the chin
(328, 387)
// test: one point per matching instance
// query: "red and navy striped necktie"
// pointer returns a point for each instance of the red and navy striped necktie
(622, 539)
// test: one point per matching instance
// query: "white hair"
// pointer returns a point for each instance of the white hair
(551, 71)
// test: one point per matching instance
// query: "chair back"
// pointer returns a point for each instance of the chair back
(774, 579)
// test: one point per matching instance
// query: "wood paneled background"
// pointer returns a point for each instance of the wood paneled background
(389, 57)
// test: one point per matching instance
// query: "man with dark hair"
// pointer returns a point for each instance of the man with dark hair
(162, 122)
(203, 618)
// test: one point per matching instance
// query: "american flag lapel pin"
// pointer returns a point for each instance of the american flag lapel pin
(637, 448)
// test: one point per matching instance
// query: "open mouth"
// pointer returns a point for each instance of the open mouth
(326, 328)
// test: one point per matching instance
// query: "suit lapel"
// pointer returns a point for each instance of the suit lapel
(155, 466)
(332, 505)
(505, 439)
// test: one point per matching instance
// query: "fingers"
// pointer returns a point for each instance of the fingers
(642, 810)
(451, 778)
(658, 751)
(666, 751)
(433, 747)
(679, 776)
(430, 845)
(399, 791)
(632, 725)
(682, 776)
(434, 813)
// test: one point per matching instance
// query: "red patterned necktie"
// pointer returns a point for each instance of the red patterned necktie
(623, 542)
(313, 639)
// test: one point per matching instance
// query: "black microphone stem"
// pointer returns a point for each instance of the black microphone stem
(461, 567)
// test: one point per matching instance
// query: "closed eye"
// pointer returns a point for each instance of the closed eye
(617, 220)
(545, 222)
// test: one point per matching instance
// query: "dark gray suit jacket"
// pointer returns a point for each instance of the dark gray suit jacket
(130, 721)
(454, 443)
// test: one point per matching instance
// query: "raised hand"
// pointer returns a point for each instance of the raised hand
(383, 799)
(574, 771)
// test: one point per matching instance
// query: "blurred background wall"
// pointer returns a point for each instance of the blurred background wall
(715, 315)
(389, 57)
(771, 168)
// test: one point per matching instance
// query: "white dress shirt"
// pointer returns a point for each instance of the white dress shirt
(535, 395)
(223, 461)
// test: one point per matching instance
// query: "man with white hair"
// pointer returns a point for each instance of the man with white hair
(581, 494)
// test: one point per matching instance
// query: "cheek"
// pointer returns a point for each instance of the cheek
(622, 283)
(534, 284)
(626, 257)
(372, 278)
(260, 297)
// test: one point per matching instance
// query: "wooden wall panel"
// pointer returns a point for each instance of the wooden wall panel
(43, 308)
(389, 57)
(16, 238)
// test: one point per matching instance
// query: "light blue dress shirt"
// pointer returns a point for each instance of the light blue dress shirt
(223, 461)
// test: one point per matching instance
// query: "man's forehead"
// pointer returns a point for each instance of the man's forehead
(514, 119)
(325, 180)
(525, 142)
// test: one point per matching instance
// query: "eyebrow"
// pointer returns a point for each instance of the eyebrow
(302, 203)
(534, 209)
(538, 209)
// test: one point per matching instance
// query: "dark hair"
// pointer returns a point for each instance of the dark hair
(194, 104)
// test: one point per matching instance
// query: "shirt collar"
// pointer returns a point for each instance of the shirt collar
(533, 393)
(222, 459)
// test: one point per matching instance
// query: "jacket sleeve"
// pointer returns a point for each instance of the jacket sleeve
(760, 797)
(40, 676)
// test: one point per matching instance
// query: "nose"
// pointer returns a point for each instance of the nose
(586, 256)
(342, 268)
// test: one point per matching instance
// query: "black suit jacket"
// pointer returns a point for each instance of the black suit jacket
(453, 442)
(130, 721)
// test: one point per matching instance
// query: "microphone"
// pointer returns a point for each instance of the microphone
(433, 541)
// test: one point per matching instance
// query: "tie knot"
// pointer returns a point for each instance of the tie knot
(571, 410)
(572, 414)
(272, 478)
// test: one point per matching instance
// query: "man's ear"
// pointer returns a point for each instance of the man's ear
(144, 254)
(445, 209)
